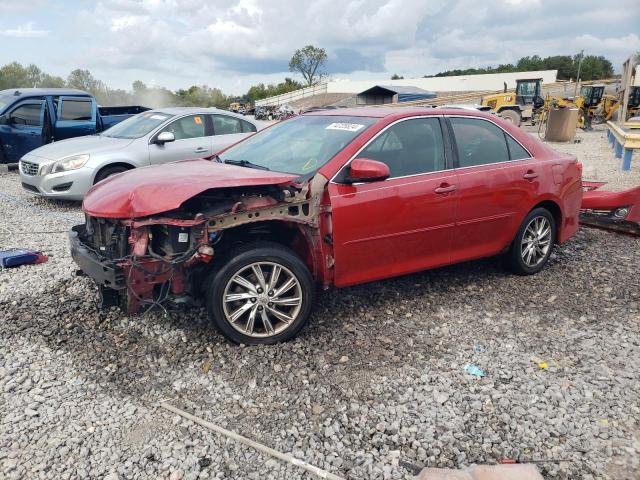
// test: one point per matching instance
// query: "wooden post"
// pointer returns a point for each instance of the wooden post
(627, 83)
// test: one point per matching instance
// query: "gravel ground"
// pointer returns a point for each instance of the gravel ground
(375, 387)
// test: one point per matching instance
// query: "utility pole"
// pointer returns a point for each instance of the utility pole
(575, 90)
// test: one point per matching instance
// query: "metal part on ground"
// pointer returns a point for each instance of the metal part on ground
(483, 472)
(618, 211)
(285, 457)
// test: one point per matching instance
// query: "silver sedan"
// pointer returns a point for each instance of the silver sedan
(68, 168)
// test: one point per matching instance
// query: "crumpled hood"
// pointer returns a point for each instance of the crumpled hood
(91, 144)
(152, 190)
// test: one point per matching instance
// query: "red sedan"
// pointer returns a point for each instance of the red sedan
(333, 198)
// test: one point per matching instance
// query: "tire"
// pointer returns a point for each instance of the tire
(257, 300)
(511, 116)
(521, 258)
(108, 171)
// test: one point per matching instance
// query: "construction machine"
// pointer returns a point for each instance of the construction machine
(523, 104)
(608, 105)
(633, 105)
(589, 101)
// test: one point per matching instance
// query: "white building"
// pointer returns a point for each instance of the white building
(462, 83)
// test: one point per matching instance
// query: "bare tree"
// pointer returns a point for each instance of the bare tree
(309, 61)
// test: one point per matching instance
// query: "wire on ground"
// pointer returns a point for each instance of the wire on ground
(285, 457)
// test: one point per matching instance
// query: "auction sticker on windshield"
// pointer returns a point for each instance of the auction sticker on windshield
(349, 127)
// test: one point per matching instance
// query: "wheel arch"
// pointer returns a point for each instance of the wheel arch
(119, 163)
(554, 208)
(295, 236)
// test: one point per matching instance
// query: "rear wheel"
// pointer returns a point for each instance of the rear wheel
(531, 249)
(108, 171)
(511, 116)
(262, 295)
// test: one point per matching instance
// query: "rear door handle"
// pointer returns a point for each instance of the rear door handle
(444, 188)
(530, 175)
(201, 150)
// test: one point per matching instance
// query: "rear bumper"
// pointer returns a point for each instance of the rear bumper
(103, 271)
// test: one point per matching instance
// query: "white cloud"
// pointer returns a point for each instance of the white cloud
(26, 30)
(624, 44)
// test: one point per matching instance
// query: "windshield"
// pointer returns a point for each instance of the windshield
(299, 146)
(4, 101)
(137, 126)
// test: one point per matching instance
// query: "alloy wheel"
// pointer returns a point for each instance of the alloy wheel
(536, 241)
(262, 299)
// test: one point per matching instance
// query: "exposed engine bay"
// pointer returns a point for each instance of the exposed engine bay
(166, 258)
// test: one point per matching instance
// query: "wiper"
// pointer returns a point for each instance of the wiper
(245, 163)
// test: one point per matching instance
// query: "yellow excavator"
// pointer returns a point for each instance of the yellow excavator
(527, 103)
(523, 104)
(633, 105)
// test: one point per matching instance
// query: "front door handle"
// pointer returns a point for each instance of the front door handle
(530, 175)
(201, 150)
(445, 188)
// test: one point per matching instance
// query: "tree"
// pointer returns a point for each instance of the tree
(138, 87)
(309, 62)
(51, 81)
(527, 64)
(83, 80)
(34, 75)
(13, 75)
(395, 76)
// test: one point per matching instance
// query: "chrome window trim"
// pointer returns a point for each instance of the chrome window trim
(454, 169)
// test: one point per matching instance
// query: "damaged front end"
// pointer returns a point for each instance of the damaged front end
(165, 258)
(617, 211)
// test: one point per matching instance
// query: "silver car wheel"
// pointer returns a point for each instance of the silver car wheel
(262, 299)
(536, 241)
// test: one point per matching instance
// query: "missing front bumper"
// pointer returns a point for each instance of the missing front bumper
(103, 271)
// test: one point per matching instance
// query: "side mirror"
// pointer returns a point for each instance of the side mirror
(16, 121)
(165, 137)
(367, 170)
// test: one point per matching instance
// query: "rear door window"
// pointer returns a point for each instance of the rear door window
(225, 125)
(478, 142)
(409, 147)
(516, 151)
(75, 109)
(248, 127)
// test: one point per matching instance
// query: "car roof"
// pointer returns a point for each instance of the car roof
(23, 92)
(202, 110)
(398, 112)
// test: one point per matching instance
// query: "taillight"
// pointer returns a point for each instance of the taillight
(579, 165)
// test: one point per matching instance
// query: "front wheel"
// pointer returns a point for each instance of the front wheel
(531, 249)
(108, 171)
(511, 116)
(262, 295)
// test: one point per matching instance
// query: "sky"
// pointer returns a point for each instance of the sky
(233, 44)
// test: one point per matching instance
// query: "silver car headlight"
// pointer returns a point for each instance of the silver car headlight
(70, 163)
